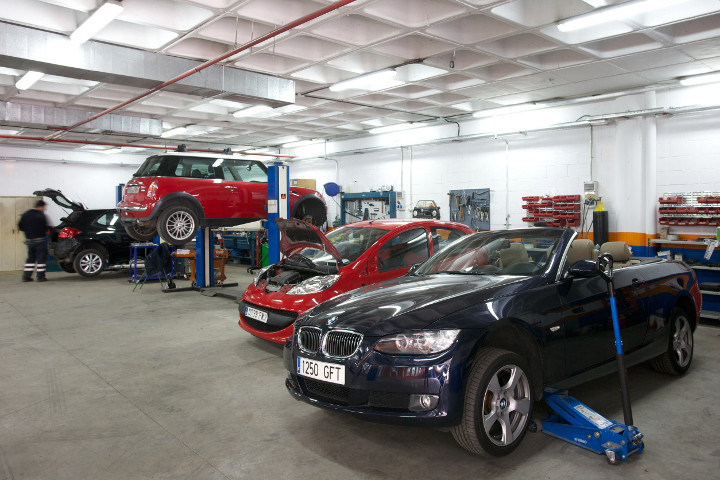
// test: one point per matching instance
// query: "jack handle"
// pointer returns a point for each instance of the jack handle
(604, 265)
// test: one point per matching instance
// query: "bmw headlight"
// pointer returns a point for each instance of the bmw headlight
(417, 343)
(314, 285)
(260, 274)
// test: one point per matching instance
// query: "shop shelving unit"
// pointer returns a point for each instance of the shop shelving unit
(689, 209)
(557, 211)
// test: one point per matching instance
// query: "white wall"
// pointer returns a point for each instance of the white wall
(557, 162)
(92, 184)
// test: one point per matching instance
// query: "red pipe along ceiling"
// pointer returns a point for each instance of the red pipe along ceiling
(207, 64)
(135, 145)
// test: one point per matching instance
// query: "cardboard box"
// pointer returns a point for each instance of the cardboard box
(664, 233)
(303, 183)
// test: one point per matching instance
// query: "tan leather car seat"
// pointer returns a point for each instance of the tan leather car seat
(516, 253)
(621, 254)
(582, 249)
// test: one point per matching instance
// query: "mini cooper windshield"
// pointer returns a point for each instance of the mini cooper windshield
(496, 253)
(350, 242)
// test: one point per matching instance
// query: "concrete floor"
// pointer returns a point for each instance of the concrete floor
(97, 382)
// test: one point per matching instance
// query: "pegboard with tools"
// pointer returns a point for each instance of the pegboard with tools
(471, 207)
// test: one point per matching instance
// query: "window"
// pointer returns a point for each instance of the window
(501, 252)
(404, 250)
(350, 242)
(203, 167)
(107, 219)
(442, 237)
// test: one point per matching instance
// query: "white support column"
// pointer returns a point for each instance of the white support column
(650, 154)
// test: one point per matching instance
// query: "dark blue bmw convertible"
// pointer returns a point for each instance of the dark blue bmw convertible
(470, 338)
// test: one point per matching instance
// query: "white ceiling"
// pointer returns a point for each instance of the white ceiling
(506, 52)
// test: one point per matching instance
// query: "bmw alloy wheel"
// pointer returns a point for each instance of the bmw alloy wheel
(506, 405)
(682, 341)
(180, 225)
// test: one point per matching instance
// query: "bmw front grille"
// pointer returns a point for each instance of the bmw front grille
(309, 339)
(341, 343)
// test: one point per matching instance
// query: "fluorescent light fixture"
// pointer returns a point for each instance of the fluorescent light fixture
(28, 80)
(394, 128)
(522, 107)
(358, 82)
(112, 150)
(8, 132)
(617, 12)
(700, 79)
(302, 143)
(257, 150)
(96, 22)
(251, 111)
(173, 132)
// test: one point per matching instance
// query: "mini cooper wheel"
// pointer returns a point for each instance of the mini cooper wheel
(140, 232)
(89, 263)
(676, 360)
(178, 225)
(498, 404)
(66, 267)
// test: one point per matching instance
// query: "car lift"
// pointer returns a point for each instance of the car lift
(576, 423)
(278, 206)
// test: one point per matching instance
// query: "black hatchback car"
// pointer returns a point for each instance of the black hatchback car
(86, 241)
(471, 338)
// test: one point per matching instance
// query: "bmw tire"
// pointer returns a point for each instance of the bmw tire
(89, 263)
(498, 404)
(678, 357)
(178, 225)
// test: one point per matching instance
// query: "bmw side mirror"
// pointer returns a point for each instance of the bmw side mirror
(583, 269)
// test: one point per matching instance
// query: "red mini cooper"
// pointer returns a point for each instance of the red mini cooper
(175, 193)
(317, 267)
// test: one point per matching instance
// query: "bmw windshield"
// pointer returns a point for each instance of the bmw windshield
(511, 252)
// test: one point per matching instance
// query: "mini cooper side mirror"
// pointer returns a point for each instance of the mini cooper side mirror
(583, 269)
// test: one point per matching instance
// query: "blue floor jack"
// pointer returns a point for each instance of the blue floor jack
(576, 423)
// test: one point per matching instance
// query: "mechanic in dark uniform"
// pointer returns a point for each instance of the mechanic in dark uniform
(34, 224)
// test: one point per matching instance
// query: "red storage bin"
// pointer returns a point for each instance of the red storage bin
(663, 221)
(673, 200)
(529, 219)
(573, 223)
(530, 199)
(703, 210)
(703, 221)
(682, 223)
(672, 221)
(525, 207)
(693, 222)
(692, 210)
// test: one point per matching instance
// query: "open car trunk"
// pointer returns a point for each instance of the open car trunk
(65, 203)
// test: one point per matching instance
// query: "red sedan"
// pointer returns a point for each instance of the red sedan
(317, 267)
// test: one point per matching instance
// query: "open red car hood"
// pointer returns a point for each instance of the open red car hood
(296, 235)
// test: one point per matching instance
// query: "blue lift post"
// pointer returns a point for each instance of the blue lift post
(576, 423)
(204, 258)
(278, 206)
